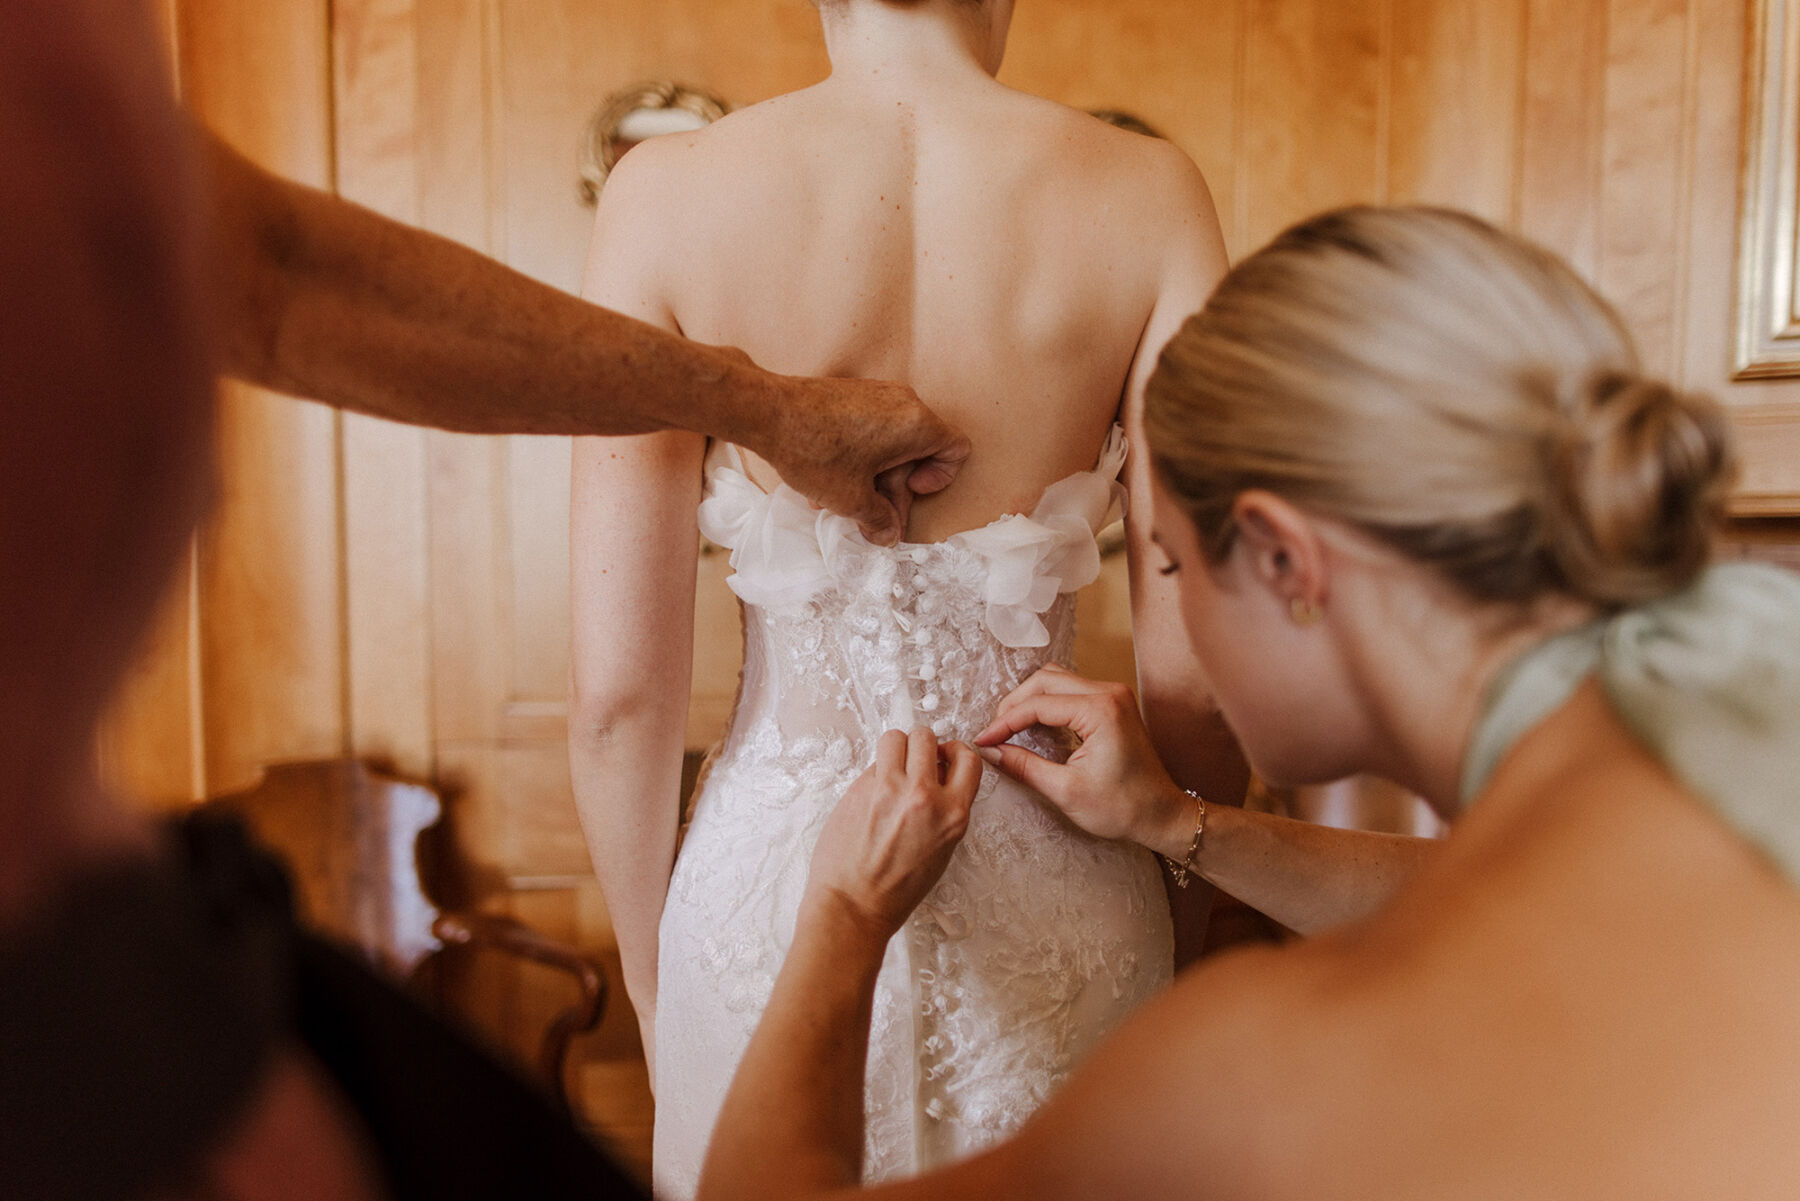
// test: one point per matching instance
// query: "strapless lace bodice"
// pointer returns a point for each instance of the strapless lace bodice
(1037, 940)
(892, 637)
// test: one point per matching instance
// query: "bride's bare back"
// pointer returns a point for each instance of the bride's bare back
(917, 221)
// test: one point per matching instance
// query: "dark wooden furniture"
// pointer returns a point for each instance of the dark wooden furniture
(350, 836)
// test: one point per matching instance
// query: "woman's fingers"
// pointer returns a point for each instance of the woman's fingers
(889, 840)
(890, 753)
(922, 756)
(1031, 770)
(1083, 713)
(963, 777)
(1047, 682)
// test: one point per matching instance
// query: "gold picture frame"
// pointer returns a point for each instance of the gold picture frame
(1766, 341)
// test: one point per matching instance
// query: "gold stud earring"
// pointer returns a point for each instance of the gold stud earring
(1303, 611)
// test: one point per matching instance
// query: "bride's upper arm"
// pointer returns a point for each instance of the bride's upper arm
(633, 501)
(637, 236)
(633, 552)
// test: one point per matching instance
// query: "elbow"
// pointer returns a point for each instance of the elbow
(602, 716)
(594, 720)
(256, 261)
(1170, 702)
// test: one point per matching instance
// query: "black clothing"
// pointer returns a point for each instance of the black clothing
(137, 1018)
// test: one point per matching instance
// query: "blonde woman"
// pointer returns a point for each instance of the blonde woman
(1019, 264)
(1429, 519)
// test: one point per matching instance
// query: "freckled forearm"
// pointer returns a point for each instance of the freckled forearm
(324, 299)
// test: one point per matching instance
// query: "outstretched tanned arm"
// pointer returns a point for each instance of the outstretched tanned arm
(325, 299)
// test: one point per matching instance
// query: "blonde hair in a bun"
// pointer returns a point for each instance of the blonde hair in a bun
(1456, 392)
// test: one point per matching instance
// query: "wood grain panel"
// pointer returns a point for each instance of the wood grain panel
(269, 580)
(1771, 484)
(452, 145)
(386, 567)
(1645, 173)
(1455, 104)
(271, 632)
(468, 676)
(387, 591)
(1103, 626)
(1314, 109)
(1767, 411)
(1562, 132)
(259, 72)
(149, 736)
(537, 556)
(455, 196)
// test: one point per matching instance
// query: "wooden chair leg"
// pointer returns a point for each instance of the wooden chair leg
(485, 930)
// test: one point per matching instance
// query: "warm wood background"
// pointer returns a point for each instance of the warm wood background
(401, 594)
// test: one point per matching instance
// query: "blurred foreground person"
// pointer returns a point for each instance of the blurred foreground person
(165, 1030)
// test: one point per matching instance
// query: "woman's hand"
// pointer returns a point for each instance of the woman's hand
(1113, 786)
(890, 838)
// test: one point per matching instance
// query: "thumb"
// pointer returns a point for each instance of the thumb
(934, 473)
(884, 519)
(1033, 771)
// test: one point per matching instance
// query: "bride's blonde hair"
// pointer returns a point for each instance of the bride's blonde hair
(1452, 390)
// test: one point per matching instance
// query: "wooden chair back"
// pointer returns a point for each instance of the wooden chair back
(350, 837)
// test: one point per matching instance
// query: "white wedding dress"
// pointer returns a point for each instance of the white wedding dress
(1037, 941)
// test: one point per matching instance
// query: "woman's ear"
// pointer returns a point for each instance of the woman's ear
(1283, 552)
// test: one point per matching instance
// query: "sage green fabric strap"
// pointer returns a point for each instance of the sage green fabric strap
(1708, 679)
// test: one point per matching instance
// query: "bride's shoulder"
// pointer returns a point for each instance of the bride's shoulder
(1143, 169)
(1149, 186)
(755, 129)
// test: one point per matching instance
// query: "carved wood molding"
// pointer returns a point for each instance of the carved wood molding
(1769, 437)
(1767, 335)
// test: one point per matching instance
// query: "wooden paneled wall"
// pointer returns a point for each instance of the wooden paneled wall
(1608, 130)
(325, 608)
(246, 664)
(403, 594)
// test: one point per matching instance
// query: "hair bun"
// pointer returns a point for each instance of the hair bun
(1638, 478)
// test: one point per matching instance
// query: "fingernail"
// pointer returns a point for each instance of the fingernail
(990, 753)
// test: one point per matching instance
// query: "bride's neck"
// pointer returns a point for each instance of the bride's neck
(876, 43)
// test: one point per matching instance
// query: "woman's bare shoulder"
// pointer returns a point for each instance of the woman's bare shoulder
(1150, 180)
(674, 154)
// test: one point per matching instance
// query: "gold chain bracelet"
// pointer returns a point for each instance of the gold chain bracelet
(1186, 868)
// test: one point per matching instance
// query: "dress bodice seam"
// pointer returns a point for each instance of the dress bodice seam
(733, 455)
